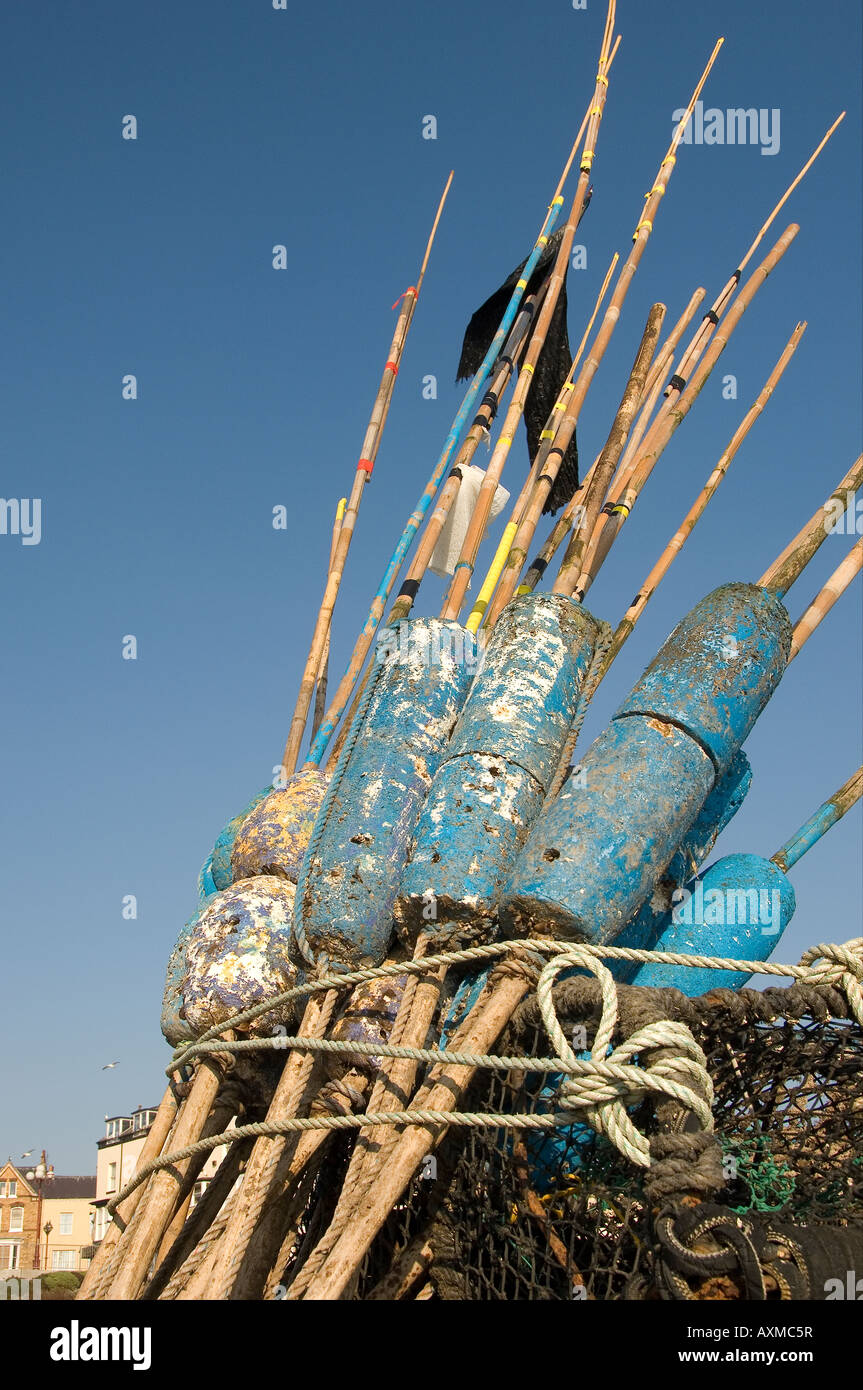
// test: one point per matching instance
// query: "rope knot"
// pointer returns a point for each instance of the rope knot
(841, 966)
(600, 1090)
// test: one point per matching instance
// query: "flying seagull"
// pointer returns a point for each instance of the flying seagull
(27, 1154)
(109, 1065)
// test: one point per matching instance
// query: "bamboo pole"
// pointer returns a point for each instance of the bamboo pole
(479, 520)
(547, 441)
(364, 641)
(618, 508)
(831, 811)
(704, 332)
(153, 1146)
(790, 564)
(594, 357)
(134, 1258)
(482, 423)
(710, 319)
(682, 534)
(826, 597)
(361, 476)
(610, 456)
(321, 682)
(653, 386)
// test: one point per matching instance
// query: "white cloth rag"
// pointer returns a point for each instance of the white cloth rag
(451, 539)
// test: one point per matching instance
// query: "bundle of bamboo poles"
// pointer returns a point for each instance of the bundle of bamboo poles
(259, 1217)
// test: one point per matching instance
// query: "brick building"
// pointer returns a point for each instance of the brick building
(19, 1219)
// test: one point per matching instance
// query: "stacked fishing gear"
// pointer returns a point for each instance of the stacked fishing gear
(469, 1016)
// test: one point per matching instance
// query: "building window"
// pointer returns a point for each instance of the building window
(12, 1189)
(63, 1259)
(66, 1218)
(112, 1177)
(2, 1189)
(10, 1254)
(16, 1219)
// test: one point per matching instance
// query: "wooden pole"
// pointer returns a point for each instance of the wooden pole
(153, 1146)
(477, 1034)
(290, 1095)
(831, 811)
(826, 597)
(682, 534)
(789, 566)
(135, 1257)
(484, 419)
(346, 530)
(321, 684)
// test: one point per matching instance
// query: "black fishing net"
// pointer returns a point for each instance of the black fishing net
(770, 1208)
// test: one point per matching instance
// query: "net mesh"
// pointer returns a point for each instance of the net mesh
(529, 1215)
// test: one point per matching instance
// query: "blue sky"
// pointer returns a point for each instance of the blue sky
(154, 257)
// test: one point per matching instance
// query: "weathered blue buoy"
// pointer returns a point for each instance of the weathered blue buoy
(350, 877)
(723, 802)
(596, 854)
(216, 870)
(498, 766)
(739, 907)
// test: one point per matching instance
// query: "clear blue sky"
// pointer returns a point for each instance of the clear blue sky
(153, 257)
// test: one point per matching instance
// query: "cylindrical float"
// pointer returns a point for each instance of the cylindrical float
(722, 803)
(351, 874)
(497, 769)
(739, 907)
(595, 855)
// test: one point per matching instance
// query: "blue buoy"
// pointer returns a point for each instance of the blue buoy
(216, 870)
(723, 802)
(597, 853)
(498, 767)
(350, 877)
(739, 907)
